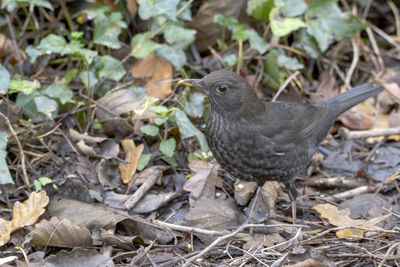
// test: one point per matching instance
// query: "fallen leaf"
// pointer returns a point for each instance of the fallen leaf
(160, 72)
(359, 117)
(78, 257)
(341, 218)
(113, 105)
(132, 156)
(7, 48)
(59, 234)
(95, 216)
(24, 214)
(197, 184)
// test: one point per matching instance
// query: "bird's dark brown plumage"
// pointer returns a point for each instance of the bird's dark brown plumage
(267, 141)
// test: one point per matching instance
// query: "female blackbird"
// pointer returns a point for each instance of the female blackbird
(267, 141)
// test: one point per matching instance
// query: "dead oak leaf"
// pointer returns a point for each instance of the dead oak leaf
(133, 153)
(341, 218)
(160, 72)
(24, 214)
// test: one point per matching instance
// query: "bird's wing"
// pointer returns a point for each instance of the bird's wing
(290, 124)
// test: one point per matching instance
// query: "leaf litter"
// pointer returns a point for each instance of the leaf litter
(131, 177)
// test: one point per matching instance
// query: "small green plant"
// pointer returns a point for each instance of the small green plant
(43, 181)
(162, 125)
(168, 18)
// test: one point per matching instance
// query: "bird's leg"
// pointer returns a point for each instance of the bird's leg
(292, 192)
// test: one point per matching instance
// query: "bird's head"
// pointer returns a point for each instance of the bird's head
(227, 91)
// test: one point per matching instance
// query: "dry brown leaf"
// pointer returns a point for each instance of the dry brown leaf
(160, 72)
(360, 117)
(8, 48)
(196, 183)
(59, 234)
(394, 89)
(132, 157)
(24, 214)
(132, 7)
(341, 218)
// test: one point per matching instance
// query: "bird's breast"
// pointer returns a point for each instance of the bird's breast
(241, 151)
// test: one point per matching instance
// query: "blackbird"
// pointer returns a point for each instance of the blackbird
(263, 141)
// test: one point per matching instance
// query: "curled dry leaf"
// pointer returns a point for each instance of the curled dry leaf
(24, 214)
(133, 153)
(160, 72)
(76, 136)
(341, 218)
(59, 234)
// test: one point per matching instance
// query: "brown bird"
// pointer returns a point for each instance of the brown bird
(263, 141)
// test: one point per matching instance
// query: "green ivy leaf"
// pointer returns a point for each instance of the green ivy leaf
(174, 55)
(228, 22)
(230, 60)
(290, 63)
(4, 80)
(271, 67)
(25, 86)
(108, 29)
(143, 161)
(150, 130)
(167, 147)
(326, 22)
(5, 176)
(282, 26)
(32, 53)
(307, 43)
(179, 36)
(111, 68)
(153, 8)
(170, 160)
(194, 107)
(46, 106)
(88, 82)
(187, 129)
(58, 91)
(142, 45)
(292, 8)
(257, 42)
(160, 121)
(160, 109)
(52, 44)
(260, 9)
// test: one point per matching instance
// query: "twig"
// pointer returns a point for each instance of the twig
(347, 134)
(143, 189)
(21, 151)
(240, 56)
(219, 240)
(375, 48)
(388, 252)
(353, 192)
(11, 29)
(354, 62)
(386, 36)
(291, 77)
(395, 11)
(202, 231)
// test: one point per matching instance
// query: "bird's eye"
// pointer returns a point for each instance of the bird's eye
(222, 89)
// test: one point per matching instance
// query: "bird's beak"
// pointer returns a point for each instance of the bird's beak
(191, 83)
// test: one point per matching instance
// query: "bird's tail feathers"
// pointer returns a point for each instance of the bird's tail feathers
(352, 97)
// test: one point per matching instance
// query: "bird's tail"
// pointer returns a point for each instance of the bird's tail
(344, 101)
